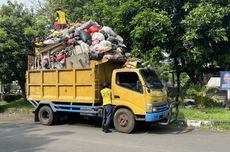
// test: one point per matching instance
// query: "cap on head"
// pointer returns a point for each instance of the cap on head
(105, 84)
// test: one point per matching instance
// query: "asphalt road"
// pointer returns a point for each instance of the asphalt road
(26, 136)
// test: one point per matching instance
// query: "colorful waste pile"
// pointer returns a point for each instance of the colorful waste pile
(75, 46)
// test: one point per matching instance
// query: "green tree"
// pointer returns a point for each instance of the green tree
(16, 42)
(194, 33)
(154, 27)
(203, 30)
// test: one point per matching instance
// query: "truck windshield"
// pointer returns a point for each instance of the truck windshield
(151, 79)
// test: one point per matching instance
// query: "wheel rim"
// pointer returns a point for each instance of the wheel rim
(123, 120)
(45, 115)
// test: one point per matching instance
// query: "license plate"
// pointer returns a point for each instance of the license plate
(166, 114)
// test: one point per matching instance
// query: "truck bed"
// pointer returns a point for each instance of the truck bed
(70, 85)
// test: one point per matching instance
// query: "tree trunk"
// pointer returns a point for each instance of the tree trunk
(178, 86)
(195, 75)
(23, 87)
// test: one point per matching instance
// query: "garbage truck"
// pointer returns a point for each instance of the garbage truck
(137, 94)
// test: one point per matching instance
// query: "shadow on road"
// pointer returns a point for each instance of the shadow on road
(141, 127)
(155, 128)
(25, 137)
(81, 121)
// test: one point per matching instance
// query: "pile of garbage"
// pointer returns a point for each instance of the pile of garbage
(75, 46)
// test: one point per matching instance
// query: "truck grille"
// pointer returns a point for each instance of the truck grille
(163, 107)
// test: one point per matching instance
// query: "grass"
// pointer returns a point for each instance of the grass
(20, 106)
(216, 114)
(219, 127)
(220, 116)
(222, 127)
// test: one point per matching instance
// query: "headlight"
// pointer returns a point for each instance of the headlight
(149, 108)
(155, 109)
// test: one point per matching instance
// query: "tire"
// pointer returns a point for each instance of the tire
(124, 121)
(46, 116)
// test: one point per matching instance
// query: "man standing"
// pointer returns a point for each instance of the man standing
(37, 45)
(61, 19)
(107, 107)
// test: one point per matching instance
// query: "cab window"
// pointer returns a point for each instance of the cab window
(129, 80)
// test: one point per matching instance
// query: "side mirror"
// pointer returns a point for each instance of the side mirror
(148, 89)
(139, 86)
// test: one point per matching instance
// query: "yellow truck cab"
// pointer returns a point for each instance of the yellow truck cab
(137, 93)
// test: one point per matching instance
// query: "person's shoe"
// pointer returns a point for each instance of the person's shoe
(107, 130)
(103, 128)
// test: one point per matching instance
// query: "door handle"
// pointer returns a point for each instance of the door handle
(116, 96)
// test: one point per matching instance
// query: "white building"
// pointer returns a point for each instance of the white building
(214, 82)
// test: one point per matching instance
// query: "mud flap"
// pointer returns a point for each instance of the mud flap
(36, 116)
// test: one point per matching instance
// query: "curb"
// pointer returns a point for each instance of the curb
(199, 123)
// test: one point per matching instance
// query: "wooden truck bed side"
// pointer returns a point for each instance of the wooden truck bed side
(70, 85)
(61, 85)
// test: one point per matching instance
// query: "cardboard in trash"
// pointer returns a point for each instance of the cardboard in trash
(80, 61)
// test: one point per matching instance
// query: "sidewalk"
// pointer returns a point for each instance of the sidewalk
(199, 123)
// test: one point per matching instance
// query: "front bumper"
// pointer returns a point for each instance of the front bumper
(152, 117)
(168, 115)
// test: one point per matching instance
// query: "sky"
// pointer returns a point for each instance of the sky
(27, 3)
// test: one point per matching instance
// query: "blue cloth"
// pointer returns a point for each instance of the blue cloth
(107, 115)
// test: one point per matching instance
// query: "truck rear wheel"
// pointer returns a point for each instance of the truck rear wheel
(46, 116)
(124, 121)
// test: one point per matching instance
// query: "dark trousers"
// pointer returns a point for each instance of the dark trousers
(107, 115)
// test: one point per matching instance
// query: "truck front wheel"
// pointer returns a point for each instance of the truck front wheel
(46, 115)
(124, 120)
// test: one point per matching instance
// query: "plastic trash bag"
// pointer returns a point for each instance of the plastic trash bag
(108, 30)
(84, 47)
(86, 30)
(70, 41)
(108, 56)
(95, 55)
(119, 38)
(118, 51)
(103, 46)
(56, 34)
(77, 50)
(94, 42)
(86, 25)
(98, 36)
(118, 56)
(94, 28)
(77, 32)
(45, 63)
(71, 30)
(112, 39)
(60, 56)
(52, 41)
(89, 42)
(84, 36)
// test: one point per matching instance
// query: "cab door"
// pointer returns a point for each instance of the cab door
(127, 90)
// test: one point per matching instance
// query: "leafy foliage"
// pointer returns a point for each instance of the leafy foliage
(202, 99)
(154, 27)
(190, 35)
(193, 34)
(11, 97)
(17, 33)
